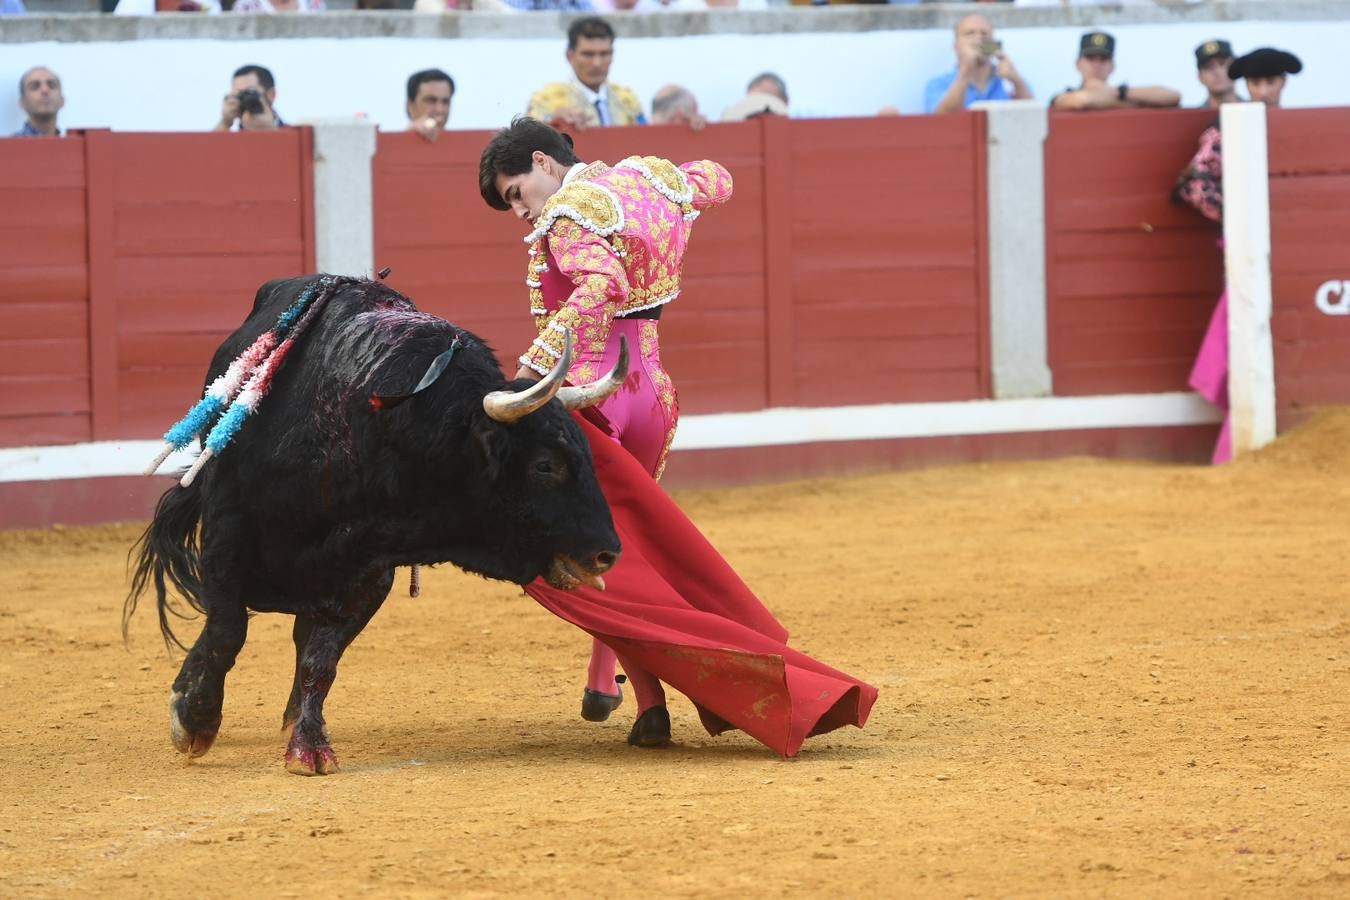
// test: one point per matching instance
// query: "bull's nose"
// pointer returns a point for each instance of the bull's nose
(604, 561)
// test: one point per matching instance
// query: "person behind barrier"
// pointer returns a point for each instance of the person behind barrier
(429, 94)
(1211, 61)
(1265, 72)
(676, 105)
(41, 100)
(589, 99)
(1096, 63)
(1200, 185)
(765, 95)
(249, 104)
(769, 83)
(983, 71)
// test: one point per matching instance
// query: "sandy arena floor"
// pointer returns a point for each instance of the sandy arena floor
(1096, 678)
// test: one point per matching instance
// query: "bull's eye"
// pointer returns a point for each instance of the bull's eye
(543, 467)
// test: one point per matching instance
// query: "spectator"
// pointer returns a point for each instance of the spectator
(765, 95)
(1265, 72)
(1096, 62)
(676, 105)
(268, 7)
(1211, 61)
(769, 83)
(41, 98)
(754, 105)
(589, 99)
(983, 71)
(429, 95)
(537, 5)
(249, 104)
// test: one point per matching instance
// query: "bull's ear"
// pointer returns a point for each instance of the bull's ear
(433, 372)
(491, 439)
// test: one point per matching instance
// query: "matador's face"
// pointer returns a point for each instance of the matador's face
(527, 193)
(1266, 89)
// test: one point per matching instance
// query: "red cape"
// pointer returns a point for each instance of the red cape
(675, 607)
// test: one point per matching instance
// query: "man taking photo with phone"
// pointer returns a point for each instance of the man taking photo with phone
(983, 71)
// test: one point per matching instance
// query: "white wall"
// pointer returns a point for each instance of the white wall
(176, 85)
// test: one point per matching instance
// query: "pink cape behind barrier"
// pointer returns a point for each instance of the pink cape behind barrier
(1209, 375)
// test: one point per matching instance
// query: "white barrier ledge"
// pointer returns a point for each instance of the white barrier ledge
(724, 431)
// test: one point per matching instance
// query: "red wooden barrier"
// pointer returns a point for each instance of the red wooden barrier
(44, 293)
(1310, 246)
(133, 256)
(849, 266)
(1131, 277)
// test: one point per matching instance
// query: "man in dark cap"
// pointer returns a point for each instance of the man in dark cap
(1096, 62)
(1265, 71)
(1211, 63)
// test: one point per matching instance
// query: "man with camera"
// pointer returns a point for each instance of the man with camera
(983, 71)
(248, 105)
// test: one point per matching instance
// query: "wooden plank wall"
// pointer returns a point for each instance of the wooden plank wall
(1132, 277)
(1309, 245)
(193, 224)
(44, 293)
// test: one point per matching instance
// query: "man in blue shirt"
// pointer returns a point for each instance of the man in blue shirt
(41, 98)
(983, 71)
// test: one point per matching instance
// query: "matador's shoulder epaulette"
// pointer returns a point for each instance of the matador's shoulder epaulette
(590, 205)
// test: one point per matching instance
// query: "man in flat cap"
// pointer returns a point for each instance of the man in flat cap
(1096, 62)
(1265, 71)
(1211, 63)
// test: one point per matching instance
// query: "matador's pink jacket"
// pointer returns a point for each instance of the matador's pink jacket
(608, 245)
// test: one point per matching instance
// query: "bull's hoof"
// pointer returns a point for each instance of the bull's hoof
(193, 743)
(597, 705)
(652, 728)
(302, 760)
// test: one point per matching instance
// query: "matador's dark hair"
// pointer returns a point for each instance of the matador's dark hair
(510, 151)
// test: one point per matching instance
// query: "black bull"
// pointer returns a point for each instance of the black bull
(331, 485)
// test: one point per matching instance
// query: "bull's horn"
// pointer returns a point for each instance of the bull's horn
(585, 395)
(508, 406)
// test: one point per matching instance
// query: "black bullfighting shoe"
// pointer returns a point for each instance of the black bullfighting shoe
(597, 705)
(652, 728)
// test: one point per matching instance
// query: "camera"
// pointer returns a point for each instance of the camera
(992, 48)
(251, 101)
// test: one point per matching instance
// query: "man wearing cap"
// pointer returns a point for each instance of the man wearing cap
(983, 71)
(1201, 185)
(1211, 62)
(1096, 62)
(1265, 71)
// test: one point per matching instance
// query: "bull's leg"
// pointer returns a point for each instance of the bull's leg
(309, 752)
(199, 689)
(300, 635)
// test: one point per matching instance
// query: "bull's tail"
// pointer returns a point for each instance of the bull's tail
(169, 552)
